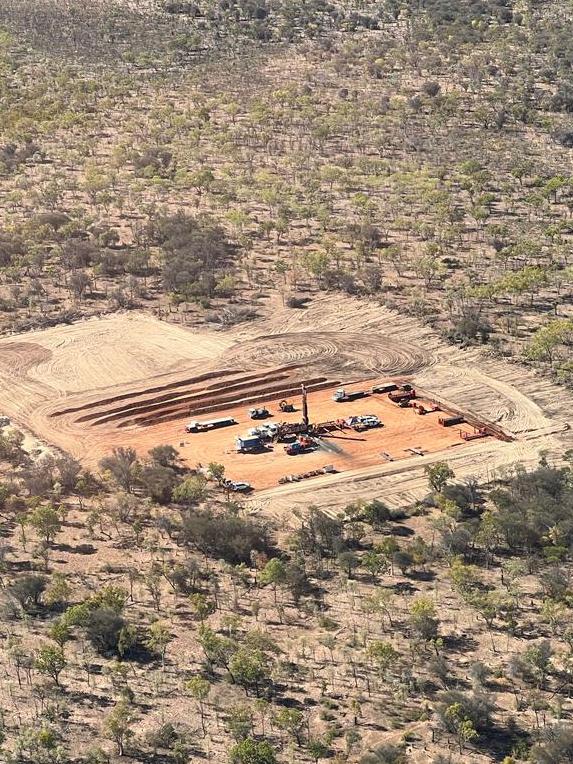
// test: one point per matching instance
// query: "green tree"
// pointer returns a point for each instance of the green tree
(50, 660)
(251, 751)
(488, 535)
(383, 655)
(291, 720)
(110, 596)
(201, 180)
(549, 338)
(249, 668)
(316, 263)
(46, 522)
(388, 548)
(554, 613)
(164, 456)
(376, 514)
(39, 744)
(423, 618)
(57, 591)
(375, 563)
(438, 475)
(117, 725)
(465, 578)
(462, 726)
(348, 561)
(429, 268)
(274, 573)
(201, 605)
(60, 632)
(123, 466)
(200, 689)
(317, 750)
(158, 639)
(380, 603)
(216, 471)
(191, 491)
(537, 659)
(240, 721)
(218, 650)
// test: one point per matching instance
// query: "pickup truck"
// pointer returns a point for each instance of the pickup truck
(238, 486)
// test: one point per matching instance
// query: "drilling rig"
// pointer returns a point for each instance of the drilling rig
(290, 430)
(304, 407)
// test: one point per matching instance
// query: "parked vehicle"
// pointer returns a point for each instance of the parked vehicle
(266, 431)
(246, 444)
(403, 396)
(300, 446)
(341, 396)
(238, 486)
(363, 422)
(260, 413)
(294, 449)
(449, 421)
(209, 424)
(388, 387)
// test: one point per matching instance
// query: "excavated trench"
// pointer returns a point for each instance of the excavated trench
(148, 390)
(227, 402)
(187, 397)
(101, 417)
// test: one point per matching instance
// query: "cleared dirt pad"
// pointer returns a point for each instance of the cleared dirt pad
(131, 380)
(346, 451)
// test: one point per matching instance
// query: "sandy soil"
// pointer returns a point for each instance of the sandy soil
(132, 380)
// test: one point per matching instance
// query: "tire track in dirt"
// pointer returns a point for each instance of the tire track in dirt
(491, 397)
(354, 353)
(17, 389)
(19, 357)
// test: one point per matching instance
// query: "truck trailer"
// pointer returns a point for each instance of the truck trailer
(450, 421)
(341, 396)
(247, 444)
(209, 424)
(402, 397)
(387, 387)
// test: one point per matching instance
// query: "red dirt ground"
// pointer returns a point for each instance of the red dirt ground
(346, 451)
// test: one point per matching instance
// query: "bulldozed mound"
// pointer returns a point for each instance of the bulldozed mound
(204, 400)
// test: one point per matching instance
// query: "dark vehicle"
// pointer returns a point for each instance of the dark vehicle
(261, 413)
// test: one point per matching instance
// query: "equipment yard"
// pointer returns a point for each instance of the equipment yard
(403, 435)
(130, 380)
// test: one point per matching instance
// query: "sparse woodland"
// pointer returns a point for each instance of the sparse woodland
(145, 615)
(418, 155)
(194, 159)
